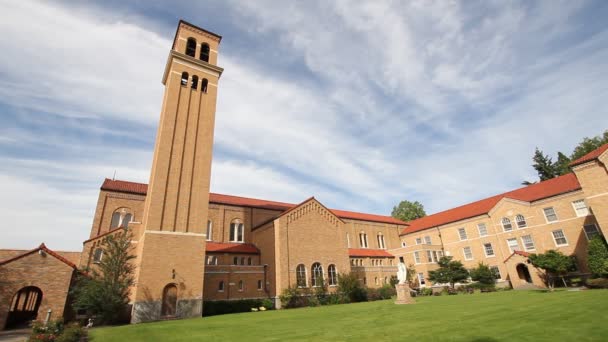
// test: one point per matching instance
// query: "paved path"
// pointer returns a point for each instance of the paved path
(17, 335)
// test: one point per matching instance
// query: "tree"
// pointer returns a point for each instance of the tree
(561, 166)
(449, 271)
(103, 291)
(588, 145)
(597, 259)
(408, 211)
(351, 288)
(483, 274)
(411, 276)
(543, 165)
(554, 264)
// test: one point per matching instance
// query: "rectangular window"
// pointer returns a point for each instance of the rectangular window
(427, 240)
(488, 249)
(462, 233)
(528, 243)
(581, 208)
(419, 241)
(381, 244)
(513, 245)
(483, 230)
(550, 214)
(591, 231)
(435, 259)
(421, 280)
(560, 238)
(417, 257)
(440, 254)
(259, 285)
(468, 254)
(496, 272)
(429, 256)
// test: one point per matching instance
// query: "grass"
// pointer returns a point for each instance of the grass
(487, 317)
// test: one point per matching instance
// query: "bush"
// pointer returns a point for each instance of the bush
(599, 283)
(221, 307)
(387, 292)
(268, 304)
(72, 333)
(426, 291)
(598, 256)
(351, 288)
(483, 274)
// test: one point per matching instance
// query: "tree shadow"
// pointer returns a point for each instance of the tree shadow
(483, 339)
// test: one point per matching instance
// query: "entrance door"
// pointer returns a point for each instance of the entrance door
(24, 307)
(169, 300)
(524, 273)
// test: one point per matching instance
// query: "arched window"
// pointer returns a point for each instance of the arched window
(521, 221)
(332, 275)
(115, 220)
(194, 83)
(249, 261)
(235, 261)
(97, 255)
(317, 275)
(241, 285)
(24, 306)
(376, 280)
(363, 240)
(242, 260)
(236, 231)
(220, 286)
(204, 52)
(381, 244)
(506, 224)
(209, 230)
(204, 84)
(191, 47)
(125, 220)
(184, 78)
(301, 275)
(169, 303)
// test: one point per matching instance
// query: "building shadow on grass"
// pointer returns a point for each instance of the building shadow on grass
(483, 339)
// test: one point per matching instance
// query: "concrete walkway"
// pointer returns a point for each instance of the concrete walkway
(16, 335)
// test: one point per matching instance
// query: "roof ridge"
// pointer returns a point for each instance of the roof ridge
(45, 249)
(590, 156)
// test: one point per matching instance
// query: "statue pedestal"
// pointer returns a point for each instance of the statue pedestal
(403, 294)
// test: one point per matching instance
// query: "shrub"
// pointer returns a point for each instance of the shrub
(351, 288)
(483, 274)
(268, 304)
(598, 256)
(426, 291)
(387, 291)
(220, 307)
(72, 333)
(599, 283)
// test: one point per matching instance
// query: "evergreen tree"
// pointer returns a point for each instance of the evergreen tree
(543, 165)
(483, 274)
(561, 165)
(449, 272)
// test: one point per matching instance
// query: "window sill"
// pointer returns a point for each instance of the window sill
(491, 256)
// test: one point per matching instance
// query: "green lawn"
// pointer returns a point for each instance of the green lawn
(501, 316)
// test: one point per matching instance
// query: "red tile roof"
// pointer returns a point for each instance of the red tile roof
(244, 248)
(522, 253)
(141, 189)
(45, 249)
(364, 252)
(530, 193)
(590, 156)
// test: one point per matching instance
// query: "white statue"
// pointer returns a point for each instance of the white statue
(401, 273)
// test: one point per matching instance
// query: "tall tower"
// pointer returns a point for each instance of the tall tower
(171, 248)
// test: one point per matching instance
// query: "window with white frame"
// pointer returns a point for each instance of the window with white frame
(332, 275)
(209, 230)
(528, 242)
(488, 249)
(421, 280)
(591, 231)
(121, 218)
(439, 254)
(580, 207)
(506, 224)
(317, 275)
(559, 238)
(381, 244)
(521, 221)
(419, 241)
(417, 257)
(301, 275)
(550, 214)
(483, 230)
(211, 260)
(237, 231)
(427, 240)
(403, 244)
(496, 272)
(97, 255)
(513, 245)
(468, 254)
(363, 240)
(429, 256)
(462, 233)
(435, 257)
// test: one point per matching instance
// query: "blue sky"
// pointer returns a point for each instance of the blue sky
(361, 104)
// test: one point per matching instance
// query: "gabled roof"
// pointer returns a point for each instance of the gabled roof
(365, 252)
(141, 189)
(522, 253)
(220, 247)
(590, 156)
(549, 188)
(35, 250)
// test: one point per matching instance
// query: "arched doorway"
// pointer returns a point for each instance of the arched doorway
(24, 307)
(169, 305)
(524, 273)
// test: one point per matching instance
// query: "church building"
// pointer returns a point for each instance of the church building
(192, 245)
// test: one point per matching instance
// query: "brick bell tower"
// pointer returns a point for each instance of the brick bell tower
(171, 248)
